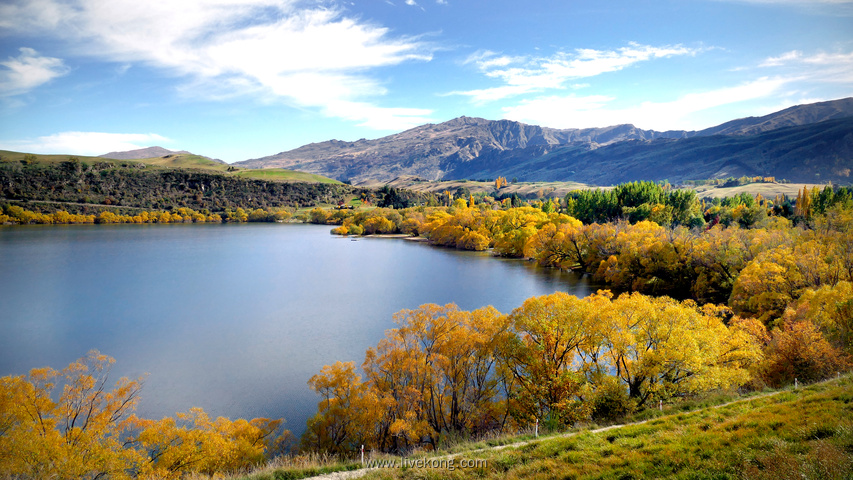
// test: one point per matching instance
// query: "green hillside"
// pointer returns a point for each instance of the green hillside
(181, 180)
(176, 161)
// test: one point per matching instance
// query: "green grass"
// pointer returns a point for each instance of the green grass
(767, 190)
(295, 473)
(10, 156)
(181, 161)
(807, 433)
(279, 174)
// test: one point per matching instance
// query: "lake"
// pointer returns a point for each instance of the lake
(231, 318)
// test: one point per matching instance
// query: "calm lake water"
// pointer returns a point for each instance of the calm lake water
(231, 318)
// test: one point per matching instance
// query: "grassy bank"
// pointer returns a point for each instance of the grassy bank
(804, 433)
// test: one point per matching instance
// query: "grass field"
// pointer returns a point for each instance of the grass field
(804, 433)
(279, 174)
(767, 190)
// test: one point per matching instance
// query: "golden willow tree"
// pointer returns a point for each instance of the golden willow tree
(72, 424)
(77, 435)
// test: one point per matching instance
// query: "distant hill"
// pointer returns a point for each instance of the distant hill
(814, 153)
(85, 183)
(789, 117)
(433, 151)
(811, 143)
(150, 152)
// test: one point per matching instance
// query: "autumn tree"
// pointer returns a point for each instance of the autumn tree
(78, 434)
(830, 308)
(433, 374)
(346, 414)
(561, 245)
(798, 350)
(544, 355)
(69, 425)
(662, 348)
(514, 229)
(194, 443)
(779, 276)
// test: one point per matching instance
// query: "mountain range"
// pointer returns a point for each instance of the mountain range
(804, 143)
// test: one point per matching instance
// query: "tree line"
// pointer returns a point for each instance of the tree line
(703, 262)
(13, 214)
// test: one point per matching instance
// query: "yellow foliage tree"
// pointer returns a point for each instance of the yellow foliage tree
(779, 276)
(433, 374)
(80, 435)
(543, 358)
(830, 308)
(347, 413)
(89, 430)
(662, 348)
(193, 443)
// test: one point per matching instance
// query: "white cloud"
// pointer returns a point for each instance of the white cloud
(821, 67)
(781, 59)
(245, 46)
(27, 71)
(85, 143)
(526, 75)
(379, 118)
(574, 111)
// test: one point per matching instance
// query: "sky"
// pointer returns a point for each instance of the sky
(242, 79)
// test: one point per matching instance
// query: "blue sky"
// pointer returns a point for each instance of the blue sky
(240, 79)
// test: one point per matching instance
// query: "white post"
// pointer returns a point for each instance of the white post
(660, 405)
(795, 384)
(362, 455)
(536, 431)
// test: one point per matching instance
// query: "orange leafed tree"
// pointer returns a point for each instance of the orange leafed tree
(193, 443)
(433, 374)
(347, 413)
(78, 435)
(798, 350)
